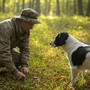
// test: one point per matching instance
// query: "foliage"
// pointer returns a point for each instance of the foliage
(46, 6)
(49, 68)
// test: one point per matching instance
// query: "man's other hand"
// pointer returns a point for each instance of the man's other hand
(20, 76)
(25, 70)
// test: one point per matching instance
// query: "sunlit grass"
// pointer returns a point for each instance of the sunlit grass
(49, 68)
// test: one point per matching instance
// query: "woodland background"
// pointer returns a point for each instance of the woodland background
(46, 7)
(49, 68)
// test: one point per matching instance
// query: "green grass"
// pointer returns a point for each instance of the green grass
(49, 68)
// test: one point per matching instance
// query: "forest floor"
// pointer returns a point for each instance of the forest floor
(49, 67)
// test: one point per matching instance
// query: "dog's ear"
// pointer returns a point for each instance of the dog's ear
(61, 39)
(64, 37)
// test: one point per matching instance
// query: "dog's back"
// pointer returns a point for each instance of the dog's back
(78, 53)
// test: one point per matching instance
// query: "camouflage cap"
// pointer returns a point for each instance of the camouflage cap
(30, 15)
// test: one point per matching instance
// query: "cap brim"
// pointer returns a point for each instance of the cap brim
(35, 21)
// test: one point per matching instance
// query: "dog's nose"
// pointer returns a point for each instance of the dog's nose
(50, 43)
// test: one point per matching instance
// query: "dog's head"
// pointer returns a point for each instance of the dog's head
(60, 39)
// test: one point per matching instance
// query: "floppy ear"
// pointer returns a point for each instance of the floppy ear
(63, 38)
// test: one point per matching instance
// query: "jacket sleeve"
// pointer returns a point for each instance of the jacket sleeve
(24, 50)
(5, 54)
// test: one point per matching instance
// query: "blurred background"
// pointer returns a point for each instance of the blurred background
(49, 68)
(47, 7)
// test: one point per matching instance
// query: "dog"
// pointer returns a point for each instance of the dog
(78, 53)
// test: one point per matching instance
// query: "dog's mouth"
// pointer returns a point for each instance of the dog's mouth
(52, 44)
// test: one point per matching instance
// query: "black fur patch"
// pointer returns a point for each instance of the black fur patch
(61, 39)
(79, 55)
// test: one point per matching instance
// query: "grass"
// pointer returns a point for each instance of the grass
(49, 68)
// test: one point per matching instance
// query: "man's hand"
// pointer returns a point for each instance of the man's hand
(20, 76)
(25, 70)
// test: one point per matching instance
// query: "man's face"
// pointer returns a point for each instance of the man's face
(26, 26)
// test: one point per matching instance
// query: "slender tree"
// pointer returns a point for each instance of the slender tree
(29, 3)
(80, 8)
(38, 9)
(57, 8)
(32, 4)
(74, 5)
(67, 6)
(88, 8)
(47, 7)
(0, 6)
(3, 5)
(18, 6)
(63, 6)
(23, 4)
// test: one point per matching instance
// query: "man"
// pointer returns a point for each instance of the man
(14, 33)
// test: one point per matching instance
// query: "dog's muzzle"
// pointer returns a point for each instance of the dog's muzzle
(52, 44)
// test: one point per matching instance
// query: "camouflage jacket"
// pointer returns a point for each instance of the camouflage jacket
(11, 36)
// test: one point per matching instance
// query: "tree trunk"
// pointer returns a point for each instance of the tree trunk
(47, 7)
(57, 8)
(38, 6)
(32, 4)
(18, 8)
(67, 6)
(88, 8)
(23, 4)
(63, 6)
(80, 8)
(0, 6)
(74, 6)
(3, 5)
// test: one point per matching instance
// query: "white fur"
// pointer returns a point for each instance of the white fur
(70, 46)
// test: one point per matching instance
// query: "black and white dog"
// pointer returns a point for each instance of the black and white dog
(78, 53)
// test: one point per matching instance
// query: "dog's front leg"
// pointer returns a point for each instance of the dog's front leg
(74, 73)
